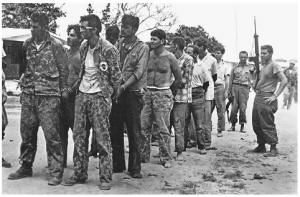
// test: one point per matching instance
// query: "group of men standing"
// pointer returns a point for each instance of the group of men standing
(130, 85)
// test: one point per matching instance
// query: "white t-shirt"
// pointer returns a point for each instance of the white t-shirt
(200, 76)
(209, 63)
(223, 70)
(90, 83)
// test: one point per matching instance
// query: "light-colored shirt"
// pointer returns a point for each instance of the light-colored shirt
(200, 76)
(242, 75)
(184, 95)
(268, 78)
(223, 70)
(90, 83)
(209, 63)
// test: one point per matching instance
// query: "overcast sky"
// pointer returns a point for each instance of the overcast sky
(230, 22)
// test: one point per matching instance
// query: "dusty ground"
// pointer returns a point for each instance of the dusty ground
(228, 170)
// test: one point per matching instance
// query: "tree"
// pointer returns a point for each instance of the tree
(17, 15)
(151, 15)
(192, 33)
(90, 9)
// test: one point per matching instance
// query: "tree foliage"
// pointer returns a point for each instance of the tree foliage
(17, 15)
(151, 15)
(90, 9)
(193, 33)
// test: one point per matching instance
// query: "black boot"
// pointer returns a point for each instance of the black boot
(5, 164)
(232, 127)
(242, 129)
(273, 151)
(22, 172)
(261, 148)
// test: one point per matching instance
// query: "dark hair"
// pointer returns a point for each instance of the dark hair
(133, 21)
(201, 42)
(219, 48)
(179, 41)
(245, 52)
(76, 28)
(112, 32)
(188, 41)
(161, 34)
(268, 47)
(41, 18)
(93, 21)
(196, 49)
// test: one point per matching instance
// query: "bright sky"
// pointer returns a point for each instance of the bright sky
(230, 22)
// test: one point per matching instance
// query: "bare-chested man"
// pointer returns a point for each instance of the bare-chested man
(68, 105)
(158, 98)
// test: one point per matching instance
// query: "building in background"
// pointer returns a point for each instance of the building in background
(13, 39)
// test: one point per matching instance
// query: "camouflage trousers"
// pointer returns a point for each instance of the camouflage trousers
(241, 95)
(41, 111)
(263, 120)
(156, 113)
(94, 110)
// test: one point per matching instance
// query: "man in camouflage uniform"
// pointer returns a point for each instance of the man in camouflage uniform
(43, 84)
(68, 105)
(239, 88)
(100, 76)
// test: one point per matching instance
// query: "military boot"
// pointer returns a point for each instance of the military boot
(22, 172)
(5, 164)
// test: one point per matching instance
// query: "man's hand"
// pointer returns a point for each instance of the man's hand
(270, 99)
(229, 94)
(65, 94)
(118, 93)
(225, 94)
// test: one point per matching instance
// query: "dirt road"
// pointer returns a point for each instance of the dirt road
(228, 170)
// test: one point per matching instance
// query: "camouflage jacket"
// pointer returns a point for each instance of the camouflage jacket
(106, 58)
(46, 69)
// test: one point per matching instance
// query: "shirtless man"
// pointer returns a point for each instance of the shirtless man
(68, 105)
(158, 98)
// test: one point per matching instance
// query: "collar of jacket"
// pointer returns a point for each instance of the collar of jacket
(48, 38)
(132, 45)
(98, 45)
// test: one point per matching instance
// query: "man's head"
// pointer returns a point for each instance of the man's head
(189, 50)
(112, 34)
(74, 35)
(158, 38)
(129, 25)
(219, 52)
(266, 52)
(177, 44)
(202, 43)
(188, 41)
(39, 24)
(90, 25)
(292, 64)
(192, 51)
(243, 55)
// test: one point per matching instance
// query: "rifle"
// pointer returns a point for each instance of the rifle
(256, 58)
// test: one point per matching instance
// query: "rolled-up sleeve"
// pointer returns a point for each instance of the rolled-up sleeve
(141, 66)
(112, 58)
